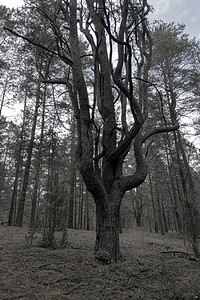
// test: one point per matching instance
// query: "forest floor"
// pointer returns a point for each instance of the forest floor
(150, 269)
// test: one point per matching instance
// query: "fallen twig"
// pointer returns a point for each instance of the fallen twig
(42, 266)
(54, 281)
(72, 247)
(73, 288)
(176, 252)
(16, 297)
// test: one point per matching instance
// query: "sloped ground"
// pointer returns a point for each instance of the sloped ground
(72, 273)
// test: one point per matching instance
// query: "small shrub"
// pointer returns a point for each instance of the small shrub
(30, 237)
(54, 239)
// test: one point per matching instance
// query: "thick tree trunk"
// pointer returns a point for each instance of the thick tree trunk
(107, 248)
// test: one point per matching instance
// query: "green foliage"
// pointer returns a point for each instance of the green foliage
(175, 54)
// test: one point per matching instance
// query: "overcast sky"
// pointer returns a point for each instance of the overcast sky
(182, 11)
(179, 11)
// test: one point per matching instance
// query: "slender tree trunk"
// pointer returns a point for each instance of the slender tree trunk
(20, 211)
(14, 192)
(175, 219)
(72, 175)
(11, 220)
(80, 209)
(191, 214)
(39, 154)
(75, 204)
(164, 218)
(38, 166)
(160, 214)
(153, 204)
(158, 198)
(52, 183)
(149, 221)
(3, 95)
(174, 201)
(137, 206)
(87, 213)
(190, 201)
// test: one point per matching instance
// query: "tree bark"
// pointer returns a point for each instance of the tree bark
(38, 166)
(12, 209)
(72, 176)
(173, 197)
(107, 247)
(137, 205)
(3, 95)
(153, 204)
(20, 210)
(192, 218)
(80, 205)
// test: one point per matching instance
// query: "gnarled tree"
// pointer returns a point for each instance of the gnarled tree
(120, 44)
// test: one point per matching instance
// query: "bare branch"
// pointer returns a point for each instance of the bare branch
(126, 142)
(64, 58)
(55, 81)
(159, 130)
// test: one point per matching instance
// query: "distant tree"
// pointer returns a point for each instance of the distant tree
(18, 165)
(174, 60)
(71, 214)
(39, 158)
(22, 199)
(137, 202)
(8, 134)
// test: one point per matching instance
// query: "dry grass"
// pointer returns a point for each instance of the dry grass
(72, 273)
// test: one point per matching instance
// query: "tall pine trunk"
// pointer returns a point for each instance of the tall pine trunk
(11, 219)
(21, 203)
(3, 96)
(71, 214)
(155, 219)
(192, 217)
(38, 166)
